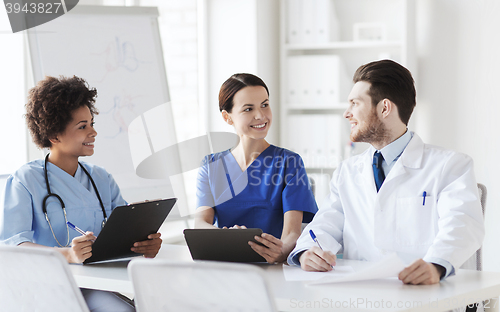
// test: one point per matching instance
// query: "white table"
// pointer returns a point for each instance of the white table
(457, 291)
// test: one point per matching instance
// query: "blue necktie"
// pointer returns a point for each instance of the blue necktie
(378, 172)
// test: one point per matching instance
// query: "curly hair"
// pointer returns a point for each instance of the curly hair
(51, 104)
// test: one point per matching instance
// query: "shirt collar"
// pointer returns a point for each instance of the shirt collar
(392, 151)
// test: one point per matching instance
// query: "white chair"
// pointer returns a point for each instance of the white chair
(163, 285)
(476, 261)
(37, 279)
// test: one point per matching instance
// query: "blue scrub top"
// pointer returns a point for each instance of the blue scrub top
(23, 218)
(276, 182)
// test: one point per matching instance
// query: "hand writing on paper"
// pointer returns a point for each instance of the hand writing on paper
(150, 247)
(273, 250)
(420, 273)
(317, 260)
(81, 248)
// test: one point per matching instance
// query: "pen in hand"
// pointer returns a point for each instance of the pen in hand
(74, 227)
(313, 236)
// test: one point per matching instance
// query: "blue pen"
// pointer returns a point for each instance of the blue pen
(313, 236)
(424, 194)
(74, 227)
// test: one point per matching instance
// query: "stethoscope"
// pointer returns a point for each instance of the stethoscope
(49, 194)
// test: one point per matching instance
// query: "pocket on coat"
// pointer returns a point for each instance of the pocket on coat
(416, 222)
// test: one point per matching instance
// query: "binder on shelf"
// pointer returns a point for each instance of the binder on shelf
(308, 25)
(335, 127)
(311, 21)
(294, 82)
(314, 81)
(293, 136)
(326, 26)
(307, 140)
(294, 31)
(297, 134)
(321, 22)
(318, 139)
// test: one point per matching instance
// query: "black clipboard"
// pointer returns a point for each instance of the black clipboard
(127, 225)
(223, 244)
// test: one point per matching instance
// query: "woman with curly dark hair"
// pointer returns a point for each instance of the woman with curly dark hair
(44, 194)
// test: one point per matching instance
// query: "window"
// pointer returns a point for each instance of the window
(12, 125)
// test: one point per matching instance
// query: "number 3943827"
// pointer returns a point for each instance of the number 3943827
(33, 8)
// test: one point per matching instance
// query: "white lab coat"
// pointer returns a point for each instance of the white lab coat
(366, 225)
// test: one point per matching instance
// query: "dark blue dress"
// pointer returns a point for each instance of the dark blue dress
(276, 182)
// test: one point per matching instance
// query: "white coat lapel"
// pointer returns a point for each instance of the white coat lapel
(395, 172)
(411, 158)
(366, 170)
(414, 153)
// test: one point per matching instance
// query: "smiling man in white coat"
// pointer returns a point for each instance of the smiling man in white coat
(401, 195)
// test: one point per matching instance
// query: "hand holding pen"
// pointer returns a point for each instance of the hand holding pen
(74, 227)
(81, 246)
(314, 238)
(316, 259)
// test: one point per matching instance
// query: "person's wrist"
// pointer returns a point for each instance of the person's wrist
(299, 256)
(66, 252)
(441, 270)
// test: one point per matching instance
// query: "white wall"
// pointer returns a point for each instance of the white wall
(458, 106)
(3, 180)
(12, 125)
(241, 37)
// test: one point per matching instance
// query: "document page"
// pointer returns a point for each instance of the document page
(295, 273)
(389, 266)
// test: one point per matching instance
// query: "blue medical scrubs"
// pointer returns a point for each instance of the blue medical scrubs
(24, 221)
(23, 217)
(276, 182)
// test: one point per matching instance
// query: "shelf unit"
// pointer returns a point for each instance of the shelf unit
(304, 124)
(340, 45)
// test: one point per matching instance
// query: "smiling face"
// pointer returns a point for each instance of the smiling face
(251, 115)
(366, 126)
(78, 137)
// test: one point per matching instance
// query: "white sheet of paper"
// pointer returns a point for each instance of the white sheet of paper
(389, 266)
(295, 273)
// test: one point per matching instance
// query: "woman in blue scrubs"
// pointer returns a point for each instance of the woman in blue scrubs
(255, 184)
(60, 116)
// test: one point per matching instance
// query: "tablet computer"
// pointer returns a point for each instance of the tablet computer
(127, 225)
(223, 244)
